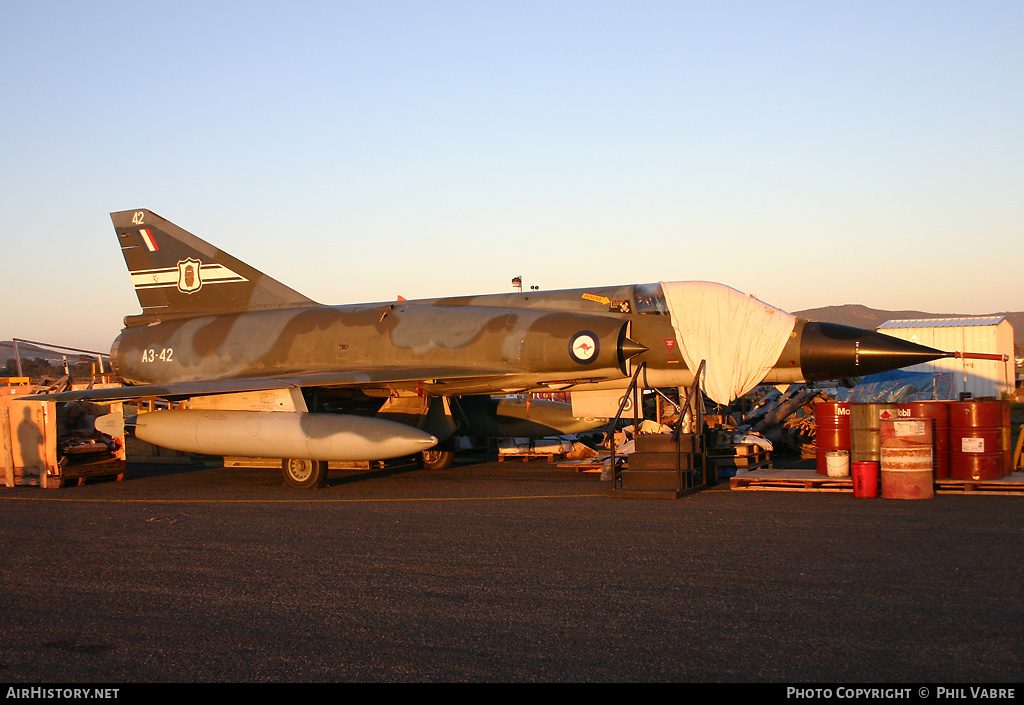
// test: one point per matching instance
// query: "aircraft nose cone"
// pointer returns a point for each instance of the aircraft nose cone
(630, 348)
(833, 351)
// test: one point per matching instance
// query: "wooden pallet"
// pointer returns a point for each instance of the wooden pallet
(78, 474)
(744, 456)
(595, 464)
(789, 481)
(745, 462)
(550, 457)
(240, 462)
(812, 481)
(1009, 485)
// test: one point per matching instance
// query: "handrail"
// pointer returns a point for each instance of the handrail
(698, 422)
(17, 352)
(697, 385)
(618, 415)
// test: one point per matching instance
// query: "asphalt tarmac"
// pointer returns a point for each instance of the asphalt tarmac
(500, 572)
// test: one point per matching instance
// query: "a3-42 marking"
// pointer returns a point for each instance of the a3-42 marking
(152, 355)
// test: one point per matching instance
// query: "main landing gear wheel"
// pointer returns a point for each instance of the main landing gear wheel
(304, 473)
(436, 459)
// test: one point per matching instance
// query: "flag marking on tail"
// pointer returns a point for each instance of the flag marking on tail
(148, 240)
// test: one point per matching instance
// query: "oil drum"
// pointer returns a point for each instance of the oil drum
(865, 423)
(938, 412)
(831, 430)
(906, 452)
(976, 440)
(1007, 440)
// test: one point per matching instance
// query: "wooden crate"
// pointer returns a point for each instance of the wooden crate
(743, 456)
(31, 455)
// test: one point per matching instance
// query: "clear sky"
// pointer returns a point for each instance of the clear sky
(811, 153)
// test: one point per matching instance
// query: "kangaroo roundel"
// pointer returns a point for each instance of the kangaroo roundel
(583, 347)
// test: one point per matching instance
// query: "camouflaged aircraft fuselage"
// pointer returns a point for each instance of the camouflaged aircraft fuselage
(472, 345)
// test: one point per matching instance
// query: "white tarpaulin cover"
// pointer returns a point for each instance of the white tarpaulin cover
(739, 336)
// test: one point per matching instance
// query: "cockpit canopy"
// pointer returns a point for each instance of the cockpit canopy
(650, 299)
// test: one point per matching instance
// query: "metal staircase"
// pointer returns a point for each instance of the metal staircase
(665, 465)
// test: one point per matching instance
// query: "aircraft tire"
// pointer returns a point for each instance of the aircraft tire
(303, 473)
(436, 459)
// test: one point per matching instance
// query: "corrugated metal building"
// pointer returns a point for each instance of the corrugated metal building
(973, 334)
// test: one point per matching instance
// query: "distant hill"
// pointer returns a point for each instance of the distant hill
(864, 317)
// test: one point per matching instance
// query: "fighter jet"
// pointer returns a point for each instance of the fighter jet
(265, 371)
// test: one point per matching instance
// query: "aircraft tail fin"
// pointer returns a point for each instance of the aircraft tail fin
(177, 274)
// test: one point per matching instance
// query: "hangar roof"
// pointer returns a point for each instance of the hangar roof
(962, 322)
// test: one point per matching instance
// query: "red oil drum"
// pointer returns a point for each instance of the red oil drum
(906, 459)
(976, 440)
(938, 412)
(865, 479)
(832, 430)
(1007, 440)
